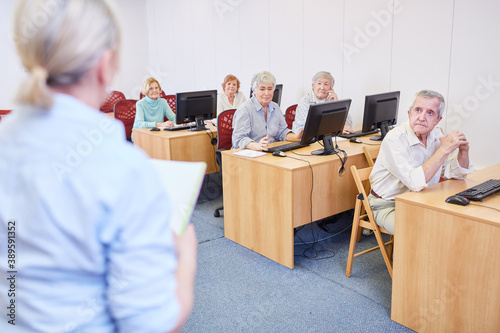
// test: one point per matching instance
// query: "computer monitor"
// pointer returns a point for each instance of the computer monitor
(323, 122)
(381, 111)
(195, 106)
(278, 90)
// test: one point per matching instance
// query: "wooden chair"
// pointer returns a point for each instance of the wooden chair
(371, 154)
(363, 218)
(290, 115)
(125, 111)
(109, 103)
(171, 101)
(224, 140)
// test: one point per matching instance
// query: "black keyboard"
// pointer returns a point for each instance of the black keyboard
(480, 191)
(177, 127)
(285, 147)
(357, 133)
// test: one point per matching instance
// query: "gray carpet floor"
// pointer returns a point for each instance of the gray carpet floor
(238, 290)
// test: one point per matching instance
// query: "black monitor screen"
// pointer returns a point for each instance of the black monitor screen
(381, 111)
(278, 90)
(196, 106)
(324, 121)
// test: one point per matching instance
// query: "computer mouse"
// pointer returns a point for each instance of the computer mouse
(458, 200)
(355, 140)
(279, 153)
(154, 129)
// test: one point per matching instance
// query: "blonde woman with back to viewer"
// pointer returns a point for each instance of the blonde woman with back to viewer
(95, 255)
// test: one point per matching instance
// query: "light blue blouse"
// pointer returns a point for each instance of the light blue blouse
(250, 125)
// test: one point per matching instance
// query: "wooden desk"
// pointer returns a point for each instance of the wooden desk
(179, 145)
(447, 260)
(265, 198)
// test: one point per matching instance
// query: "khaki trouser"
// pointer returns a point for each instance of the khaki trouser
(384, 212)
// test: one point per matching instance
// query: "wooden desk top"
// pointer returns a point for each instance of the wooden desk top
(305, 154)
(434, 197)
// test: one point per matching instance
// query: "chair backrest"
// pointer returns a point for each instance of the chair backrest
(125, 111)
(290, 115)
(171, 101)
(371, 154)
(361, 177)
(367, 220)
(162, 94)
(225, 129)
(4, 112)
(109, 103)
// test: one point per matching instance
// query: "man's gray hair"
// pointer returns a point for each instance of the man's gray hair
(262, 77)
(430, 94)
(323, 74)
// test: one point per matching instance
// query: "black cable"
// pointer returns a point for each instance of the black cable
(498, 210)
(212, 136)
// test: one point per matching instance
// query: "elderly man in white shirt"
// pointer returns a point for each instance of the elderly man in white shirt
(415, 155)
(322, 91)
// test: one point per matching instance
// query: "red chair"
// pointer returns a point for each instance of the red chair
(290, 115)
(171, 101)
(224, 140)
(125, 111)
(225, 129)
(4, 112)
(162, 94)
(109, 103)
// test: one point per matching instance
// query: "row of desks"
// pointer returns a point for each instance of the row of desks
(446, 267)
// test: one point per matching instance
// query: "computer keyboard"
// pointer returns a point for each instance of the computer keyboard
(177, 127)
(285, 147)
(358, 133)
(480, 191)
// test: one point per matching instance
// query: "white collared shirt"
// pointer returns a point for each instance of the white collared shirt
(224, 104)
(303, 109)
(398, 168)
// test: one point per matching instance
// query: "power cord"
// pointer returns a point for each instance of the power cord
(498, 210)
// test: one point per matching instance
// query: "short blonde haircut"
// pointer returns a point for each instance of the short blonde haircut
(231, 77)
(147, 84)
(59, 41)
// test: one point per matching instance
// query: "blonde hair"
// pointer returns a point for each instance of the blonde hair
(231, 77)
(147, 84)
(59, 41)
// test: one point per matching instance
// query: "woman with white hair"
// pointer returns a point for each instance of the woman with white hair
(83, 207)
(321, 92)
(259, 121)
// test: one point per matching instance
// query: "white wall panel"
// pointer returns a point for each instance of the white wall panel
(227, 42)
(367, 52)
(12, 72)
(134, 59)
(421, 50)
(285, 47)
(323, 36)
(474, 94)
(255, 39)
(162, 45)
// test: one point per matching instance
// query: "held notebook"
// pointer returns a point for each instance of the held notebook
(182, 181)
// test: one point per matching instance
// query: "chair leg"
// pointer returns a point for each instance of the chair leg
(383, 249)
(390, 248)
(356, 230)
(217, 211)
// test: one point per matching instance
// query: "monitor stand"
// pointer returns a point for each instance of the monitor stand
(384, 128)
(328, 147)
(199, 124)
